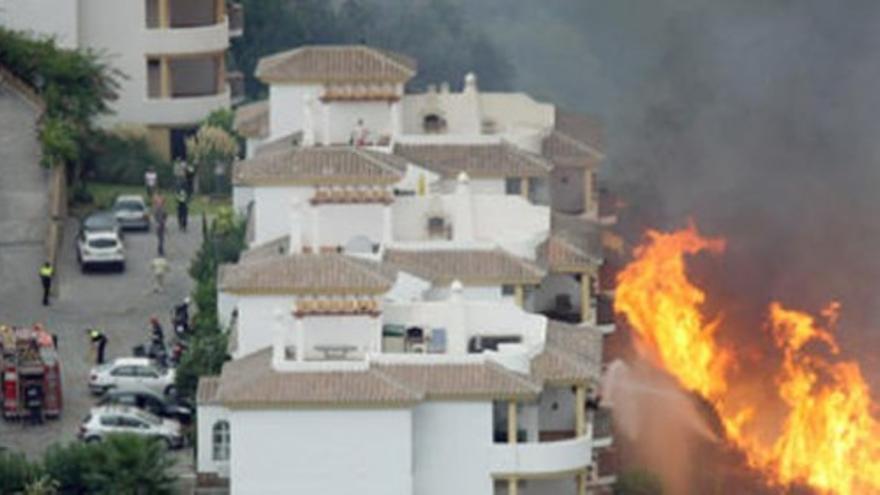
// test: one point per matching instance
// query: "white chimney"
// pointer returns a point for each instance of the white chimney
(308, 129)
(463, 219)
(444, 88)
(296, 227)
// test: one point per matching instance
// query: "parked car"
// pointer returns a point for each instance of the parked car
(100, 248)
(132, 372)
(131, 212)
(142, 398)
(107, 420)
(101, 221)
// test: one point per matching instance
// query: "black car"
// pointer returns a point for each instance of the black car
(164, 407)
(100, 221)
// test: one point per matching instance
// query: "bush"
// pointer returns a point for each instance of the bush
(124, 158)
(16, 472)
(70, 466)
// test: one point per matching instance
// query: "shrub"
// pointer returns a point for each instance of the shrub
(16, 472)
(212, 148)
(123, 158)
(70, 466)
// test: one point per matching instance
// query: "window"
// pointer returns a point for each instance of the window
(109, 421)
(123, 371)
(513, 185)
(145, 372)
(220, 441)
(508, 290)
(434, 124)
(480, 343)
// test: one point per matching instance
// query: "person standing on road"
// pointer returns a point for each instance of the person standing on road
(182, 210)
(160, 267)
(46, 272)
(99, 341)
(158, 334)
(160, 216)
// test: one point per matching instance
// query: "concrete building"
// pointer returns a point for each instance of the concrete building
(172, 54)
(326, 404)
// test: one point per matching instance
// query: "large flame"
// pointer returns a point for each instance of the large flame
(827, 438)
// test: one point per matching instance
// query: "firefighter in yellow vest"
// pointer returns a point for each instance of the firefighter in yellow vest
(46, 272)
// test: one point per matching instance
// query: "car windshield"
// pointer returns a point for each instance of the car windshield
(129, 205)
(102, 243)
(100, 222)
(148, 418)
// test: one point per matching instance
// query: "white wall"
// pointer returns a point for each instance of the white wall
(125, 43)
(363, 332)
(339, 223)
(273, 211)
(286, 103)
(451, 443)
(208, 415)
(470, 293)
(43, 18)
(343, 117)
(256, 320)
(226, 303)
(466, 319)
(327, 452)
(242, 196)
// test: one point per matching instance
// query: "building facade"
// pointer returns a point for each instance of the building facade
(171, 55)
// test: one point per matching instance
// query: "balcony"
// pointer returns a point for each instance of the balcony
(172, 41)
(186, 26)
(235, 13)
(540, 459)
(182, 111)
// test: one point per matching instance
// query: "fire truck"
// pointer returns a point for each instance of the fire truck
(31, 371)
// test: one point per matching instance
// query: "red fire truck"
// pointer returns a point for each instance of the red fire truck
(31, 372)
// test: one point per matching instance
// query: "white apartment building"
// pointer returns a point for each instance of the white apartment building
(507, 143)
(172, 54)
(347, 390)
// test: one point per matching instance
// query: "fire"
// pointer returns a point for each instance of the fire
(827, 438)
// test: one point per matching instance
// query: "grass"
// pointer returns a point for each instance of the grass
(104, 194)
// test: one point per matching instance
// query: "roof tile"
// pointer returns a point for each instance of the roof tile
(336, 63)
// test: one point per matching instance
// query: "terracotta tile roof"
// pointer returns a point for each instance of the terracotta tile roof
(556, 366)
(587, 131)
(583, 342)
(478, 160)
(336, 63)
(206, 393)
(282, 143)
(566, 151)
(558, 254)
(250, 381)
(470, 266)
(252, 120)
(320, 165)
(271, 249)
(573, 237)
(307, 274)
(461, 381)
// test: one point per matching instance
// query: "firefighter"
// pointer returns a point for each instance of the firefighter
(99, 341)
(46, 272)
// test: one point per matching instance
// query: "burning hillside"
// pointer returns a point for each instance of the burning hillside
(806, 419)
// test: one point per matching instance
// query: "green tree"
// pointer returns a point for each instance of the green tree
(638, 482)
(212, 151)
(16, 472)
(70, 466)
(128, 464)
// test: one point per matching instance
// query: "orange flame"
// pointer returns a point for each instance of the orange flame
(828, 437)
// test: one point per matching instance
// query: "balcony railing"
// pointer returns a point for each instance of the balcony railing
(535, 459)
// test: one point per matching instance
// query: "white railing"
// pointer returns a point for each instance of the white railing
(540, 458)
(175, 41)
(185, 110)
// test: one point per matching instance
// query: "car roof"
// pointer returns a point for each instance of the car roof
(101, 234)
(129, 361)
(100, 219)
(130, 197)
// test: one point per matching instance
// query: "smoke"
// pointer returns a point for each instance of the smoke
(760, 121)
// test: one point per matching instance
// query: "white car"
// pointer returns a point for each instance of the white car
(131, 212)
(100, 248)
(132, 372)
(107, 420)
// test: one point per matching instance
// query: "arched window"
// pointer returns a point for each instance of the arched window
(434, 124)
(220, 443)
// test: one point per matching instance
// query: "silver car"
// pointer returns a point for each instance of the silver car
(131, 211)
(108, 420)
(132, 372)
